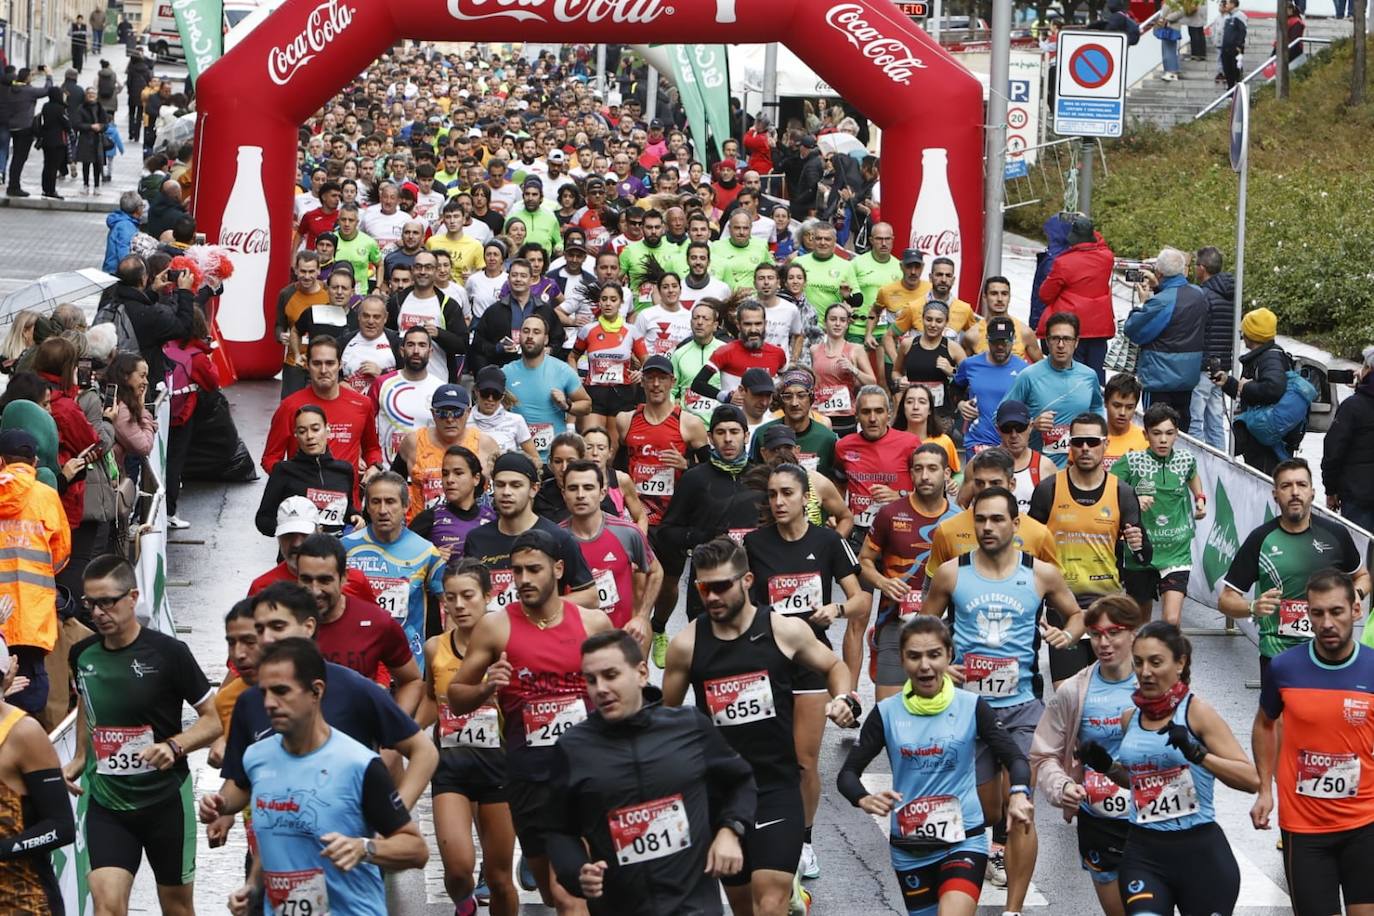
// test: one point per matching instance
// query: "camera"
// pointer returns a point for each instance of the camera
(1135, 275)
(174, 274)
(1340, 376)
(1211, 365)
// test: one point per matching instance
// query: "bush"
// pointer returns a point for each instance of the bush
(1309, 252)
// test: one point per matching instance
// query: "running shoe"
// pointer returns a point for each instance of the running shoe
(482, 892)
(467, 908)
(660, 649)
(177, 523)
(526, 876)
(810, 866)
(996, 874)
(800, 904)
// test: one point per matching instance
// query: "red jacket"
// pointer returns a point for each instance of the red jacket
(74, 436)
(759, 150)
(1081, 282)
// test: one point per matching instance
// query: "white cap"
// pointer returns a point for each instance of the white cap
(297, 515)
(5, 658)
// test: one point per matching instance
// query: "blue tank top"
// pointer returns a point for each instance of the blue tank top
(1167, 792)
(295, 801)
(995, 631)
(1101, 722)
(932, 759)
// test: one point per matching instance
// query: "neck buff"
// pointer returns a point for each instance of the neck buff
(1161, 707)
(732, 468)
(928, 706)
(611, 327)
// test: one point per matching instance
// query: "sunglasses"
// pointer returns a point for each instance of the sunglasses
(1086, 441)
(490, 393)
(1013, 427)
(448, 413)
(104, 603)
(718, 586)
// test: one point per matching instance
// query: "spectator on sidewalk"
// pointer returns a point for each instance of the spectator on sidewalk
(98, 21)
(1170, 328)
(166, 210)
(125, 31)
(77, 32)
(1233, 30)
(54, 126)
(138, 73)
(1208, 410)
(1080, 283)
(1196, 23)
(21, 100)
(1348, 452)
(154, 318)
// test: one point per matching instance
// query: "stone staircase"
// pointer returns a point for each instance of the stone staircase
(1167, 103)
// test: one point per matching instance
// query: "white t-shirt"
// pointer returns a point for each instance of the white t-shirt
(506, 198)
(413, 311)
(663, 330)
(763, 228)
(361, 350)
(428, 207)
(304, 203)
(403, 406)
(714, 289)
(384, 227)
(483, 291)
(783, 320)
(508, 429)
(476, 229)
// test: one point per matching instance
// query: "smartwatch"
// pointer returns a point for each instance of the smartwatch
(1020, 790)
(369, 850)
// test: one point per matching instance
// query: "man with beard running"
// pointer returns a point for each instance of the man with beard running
(403, 397)
(739, 661)
(546, 389)
(527, 656)
(750, 351)
(698, 283)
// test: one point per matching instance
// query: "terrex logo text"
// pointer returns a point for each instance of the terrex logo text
(560, 10)
(891, 55)
(325, 23)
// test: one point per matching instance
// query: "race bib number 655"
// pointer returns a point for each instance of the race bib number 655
(740, 699)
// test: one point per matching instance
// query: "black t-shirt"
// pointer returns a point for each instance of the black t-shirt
(490, 545)
(795, 576)
(352, 704)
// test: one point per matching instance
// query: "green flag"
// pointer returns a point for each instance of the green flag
(711, 66)
(689, 91)
(201, 24)
(1222, 540)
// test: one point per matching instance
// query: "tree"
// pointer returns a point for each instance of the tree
(1281, 49)
(1357, 67)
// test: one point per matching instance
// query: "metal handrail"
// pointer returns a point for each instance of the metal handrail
(1253, 73)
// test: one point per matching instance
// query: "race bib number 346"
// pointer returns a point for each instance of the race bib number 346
(650, 830)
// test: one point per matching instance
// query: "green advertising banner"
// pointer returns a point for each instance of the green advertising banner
(689, 91)
(711, 67)
(201, 24)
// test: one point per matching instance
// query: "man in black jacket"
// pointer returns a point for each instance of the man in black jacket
(155, 319)
(1263, 380)
(657, 795)
(1233, 31)
(496, 338)
(1348, 454)
(166, 210)
(1207, 411)
(808, 178)
(136, 77)
(21, 98)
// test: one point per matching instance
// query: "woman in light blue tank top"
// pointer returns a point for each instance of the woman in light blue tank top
(1174, 747)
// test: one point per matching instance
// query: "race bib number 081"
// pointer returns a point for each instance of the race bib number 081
(650, 830)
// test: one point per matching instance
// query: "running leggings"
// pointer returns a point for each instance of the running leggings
(1192, 870)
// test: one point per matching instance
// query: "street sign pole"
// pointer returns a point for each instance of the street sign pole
(994, 170)
(1240, 161)
(1085, 176)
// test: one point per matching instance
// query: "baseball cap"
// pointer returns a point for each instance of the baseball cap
(532, 181)
(535, 539)
(807, 141)
(452, 396)
(296, 515)
(1012, 412)
(518, 462)
(778, 435)
(491, 378)
(1001, 328)
(475, 132)
(728, 413)
(913, 256)
(757, 381)
(575, 246)
(596, 182)
(655, 124)
(18, 445)
(557, 155)
(657, 363)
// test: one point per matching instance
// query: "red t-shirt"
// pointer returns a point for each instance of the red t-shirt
(352, 427)
(886, 461)
(364, 637)
(355, 585)
(315, 222)
(734, 358)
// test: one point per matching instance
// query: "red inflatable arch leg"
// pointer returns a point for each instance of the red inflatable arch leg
(258, 94)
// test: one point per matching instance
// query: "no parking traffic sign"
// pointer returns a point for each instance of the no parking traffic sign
(1090, 98)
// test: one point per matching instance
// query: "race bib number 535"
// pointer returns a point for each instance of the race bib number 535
(118, 750)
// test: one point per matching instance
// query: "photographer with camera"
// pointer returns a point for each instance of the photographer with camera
(1348, 455)
(1170, 327)
(159, 310)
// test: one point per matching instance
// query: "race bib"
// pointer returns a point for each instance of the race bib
(834, 400)
(432, 488)
(547, 720)
(393, 595)
(407, 320)
(607, 592)
(737, 534)
(934, 817)
(653, 479)
(864, 509)
(1293, 619)
(333, 315)
(1056, 441)
(798, 593)
(811, 462)
(910, 605)
(1322, 775)
(741, 699)
(479, 728)
(1163, 795)
(989, 676)
(297, 893)
(650, 830)
(503, 593)
(937, 392)
(117, 750)
(698, 404)
(604, 370)
(1105, 798)
(541, 434)
(331, 505)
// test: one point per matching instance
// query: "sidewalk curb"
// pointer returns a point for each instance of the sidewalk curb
(42, 203)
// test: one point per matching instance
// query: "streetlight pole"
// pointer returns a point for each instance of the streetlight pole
(994, 181)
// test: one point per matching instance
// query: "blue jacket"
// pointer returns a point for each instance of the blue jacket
(123, 228)
(1171, 330)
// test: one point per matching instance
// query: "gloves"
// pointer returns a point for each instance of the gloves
(1182, 740)
(1095, 755)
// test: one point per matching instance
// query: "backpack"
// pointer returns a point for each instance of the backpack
(112, 311)
(183, 403)
(1272, 425)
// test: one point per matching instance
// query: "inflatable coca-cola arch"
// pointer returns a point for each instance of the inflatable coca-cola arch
(252, 102)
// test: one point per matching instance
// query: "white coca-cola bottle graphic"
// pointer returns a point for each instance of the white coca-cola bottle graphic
(935, 224)
(245, 233)
(725, 11)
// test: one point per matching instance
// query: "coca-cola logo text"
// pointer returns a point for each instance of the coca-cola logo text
(252, 241)
(637, 11)
(325, 23)
(891, 55)
(940, 244)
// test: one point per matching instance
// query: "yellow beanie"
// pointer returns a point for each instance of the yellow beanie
(1261, 325)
